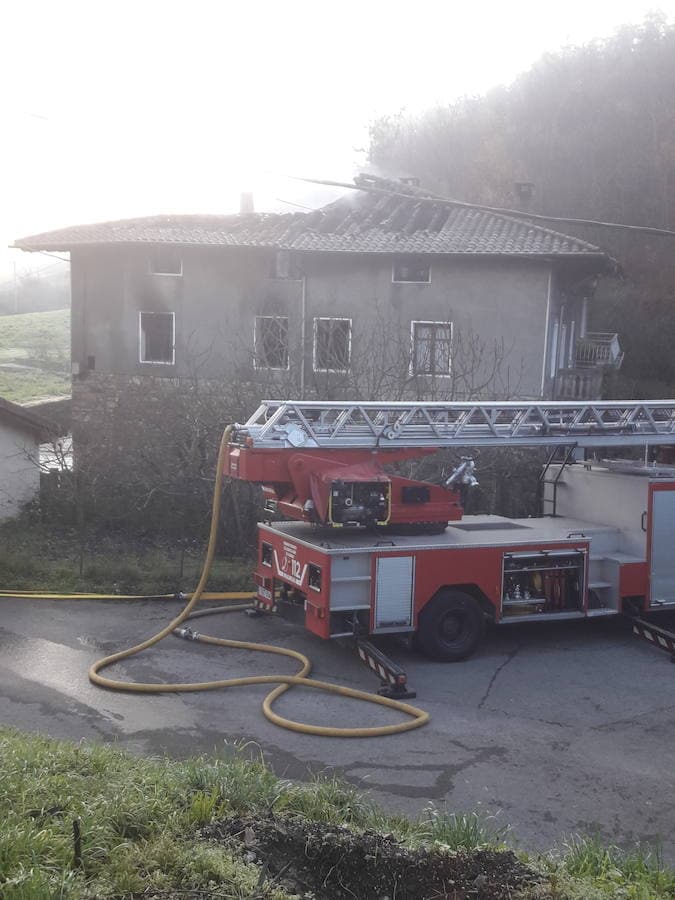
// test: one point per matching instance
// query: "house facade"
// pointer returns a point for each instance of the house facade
(384, 294)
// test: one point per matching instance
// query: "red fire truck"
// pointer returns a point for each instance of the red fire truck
(365, 551)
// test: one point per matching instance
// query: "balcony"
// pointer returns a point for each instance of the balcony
(579, 384)
(598, 348)
(596, 353)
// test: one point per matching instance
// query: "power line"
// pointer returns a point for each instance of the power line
(299, 205)
(54, 256)
(495, 209)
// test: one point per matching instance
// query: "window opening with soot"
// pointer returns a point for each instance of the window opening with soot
(166, 261)
(411, 271)
(157, 337)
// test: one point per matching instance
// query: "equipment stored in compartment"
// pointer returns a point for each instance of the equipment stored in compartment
(543, 582)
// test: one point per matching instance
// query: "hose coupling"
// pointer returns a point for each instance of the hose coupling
(187, 633)
(179, 595)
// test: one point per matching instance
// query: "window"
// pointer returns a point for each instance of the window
(157, 337)
(553, 351)
(415, 270)
(166, 261)
(332, 345)
(271, 342)
(285, 265)
(314, 577)
(431, 348)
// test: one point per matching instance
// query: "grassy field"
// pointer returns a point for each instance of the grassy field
(201, 827)
(35, 556)
(35, 355)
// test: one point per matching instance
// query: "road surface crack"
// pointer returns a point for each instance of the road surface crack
(496, 672)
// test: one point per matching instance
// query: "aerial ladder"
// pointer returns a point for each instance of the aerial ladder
(363, 551)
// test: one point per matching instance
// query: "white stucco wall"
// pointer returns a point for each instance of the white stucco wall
(19, 474)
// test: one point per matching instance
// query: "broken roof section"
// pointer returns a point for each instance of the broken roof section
(380, 216)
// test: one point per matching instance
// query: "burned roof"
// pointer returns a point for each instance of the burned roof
(380, 216)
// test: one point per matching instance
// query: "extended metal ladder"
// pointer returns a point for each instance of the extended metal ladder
(295, 424)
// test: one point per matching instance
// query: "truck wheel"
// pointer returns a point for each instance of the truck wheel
(450, 626)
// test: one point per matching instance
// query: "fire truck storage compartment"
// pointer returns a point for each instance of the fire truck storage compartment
(350, 593)
(661, 529)
(395, 577)
(543, 582)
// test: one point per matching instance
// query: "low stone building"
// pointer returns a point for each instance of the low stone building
(21, 433)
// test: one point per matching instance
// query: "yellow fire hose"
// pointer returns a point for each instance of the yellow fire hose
(207, 595)
(416, 717)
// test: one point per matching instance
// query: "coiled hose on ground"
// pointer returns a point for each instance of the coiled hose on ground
(415, 717)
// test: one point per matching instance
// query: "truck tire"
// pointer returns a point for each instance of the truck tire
(450, 626)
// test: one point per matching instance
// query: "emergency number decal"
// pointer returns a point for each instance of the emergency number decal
(264, 593)
(290, 567)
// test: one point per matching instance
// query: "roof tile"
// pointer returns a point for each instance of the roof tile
(383, 217)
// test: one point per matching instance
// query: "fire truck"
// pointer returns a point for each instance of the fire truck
(356, 549)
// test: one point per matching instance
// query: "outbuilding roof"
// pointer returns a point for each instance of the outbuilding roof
(24, 418)
(380, 216)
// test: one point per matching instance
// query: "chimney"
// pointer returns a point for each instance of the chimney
(524, 194)
(246, 203)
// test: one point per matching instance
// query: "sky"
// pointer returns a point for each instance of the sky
(113, 109)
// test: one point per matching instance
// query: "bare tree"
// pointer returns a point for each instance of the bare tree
(144, 459)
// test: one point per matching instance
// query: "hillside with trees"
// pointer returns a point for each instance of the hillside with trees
(592, 128)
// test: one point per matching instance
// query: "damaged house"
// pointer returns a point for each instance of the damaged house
(383, 294)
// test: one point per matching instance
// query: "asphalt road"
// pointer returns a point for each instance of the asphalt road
(554, 729)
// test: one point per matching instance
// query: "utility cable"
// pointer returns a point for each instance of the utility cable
(423, 194)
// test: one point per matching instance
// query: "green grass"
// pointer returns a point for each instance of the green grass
(22, 387)
(139, 819)
(37, 335)
(39, 557)
(609, 871)
(40, 341)
(137, 823)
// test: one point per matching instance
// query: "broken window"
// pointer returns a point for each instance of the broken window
(332, 344)
(431, 348)
(414, 269)
(271, 342)
(157, 332)
(166, 261)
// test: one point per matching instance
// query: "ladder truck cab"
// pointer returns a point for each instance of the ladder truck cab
(363, 551)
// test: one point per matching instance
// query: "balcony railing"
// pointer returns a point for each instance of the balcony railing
(579, 384)
(595, 354)
(598, 349)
